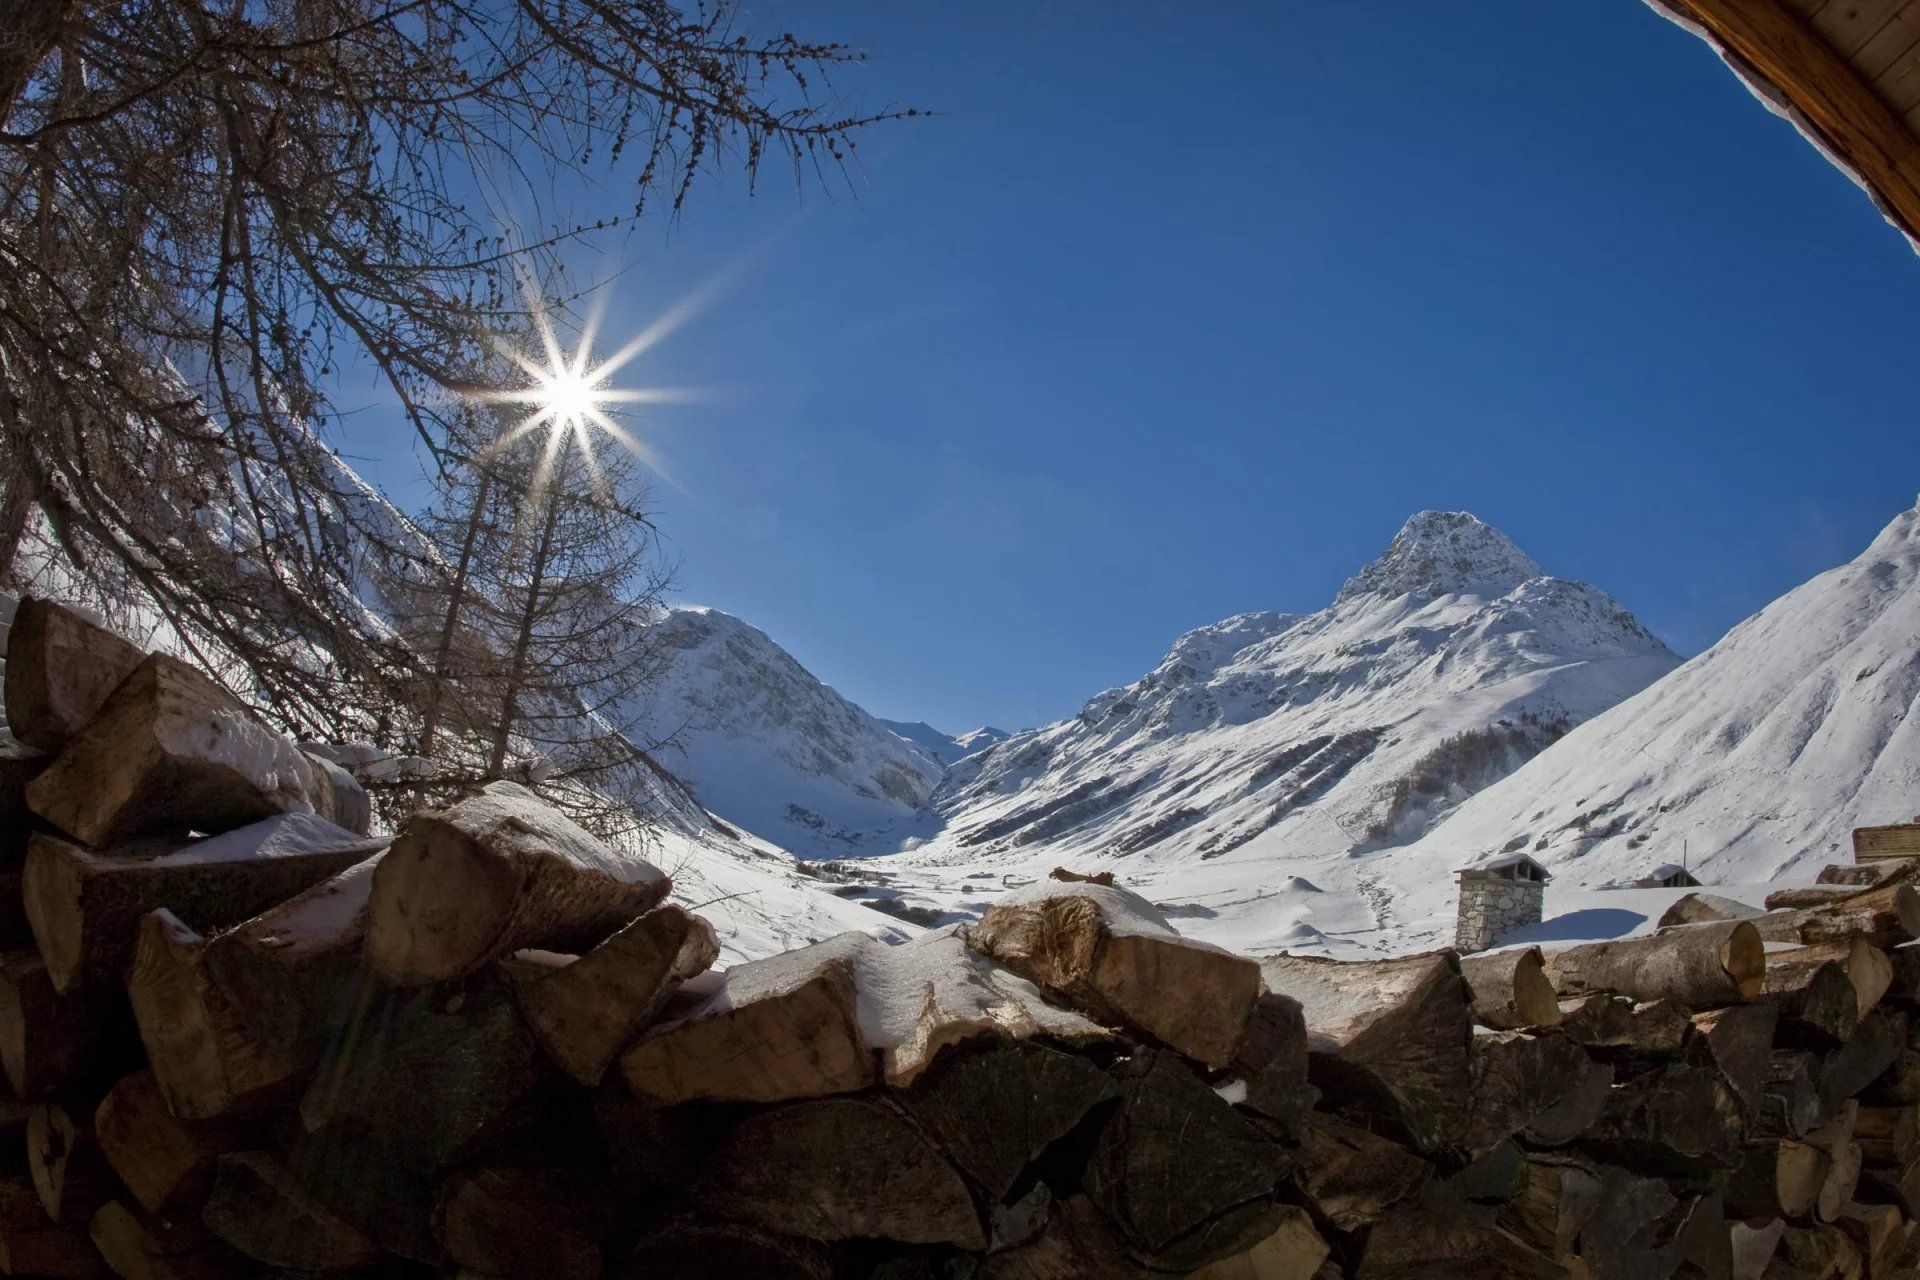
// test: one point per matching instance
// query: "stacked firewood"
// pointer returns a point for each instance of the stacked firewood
(243, 1038)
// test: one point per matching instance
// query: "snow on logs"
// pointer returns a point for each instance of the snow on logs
(495, 873)
(493, 1048)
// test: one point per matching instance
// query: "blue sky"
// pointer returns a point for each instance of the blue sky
(1177, 311)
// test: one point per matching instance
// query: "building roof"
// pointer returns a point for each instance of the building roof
(1845, 72)
(1483, 869)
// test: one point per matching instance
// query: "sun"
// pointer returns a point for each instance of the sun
(568, 396)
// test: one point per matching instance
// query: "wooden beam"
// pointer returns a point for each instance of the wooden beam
(1864, 132)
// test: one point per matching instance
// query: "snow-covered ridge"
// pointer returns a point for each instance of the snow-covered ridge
(1439, 553)
(772, 750)
(1753, 761)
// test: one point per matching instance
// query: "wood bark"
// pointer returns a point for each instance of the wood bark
(463, 1051)
(1173, 1155)
(69, 1173)
(584, 1013)
(1292, 1251)
(135, 1249)
(995, 1107)
(496, 873)
(1544, 1086)
(204, 1060)
(839, 1169)
(1351, 1176)
(1112, 954)
(688, 1249)
(33, 1245)
(1614, 1026)
(1888, 1135)
(294, 972)
(1790, 1106)
(523, 1222)
(1443, 1242)
(1390, 1030)
(1510, 989)
(1818, 1252)
(1705, 908)
(166, 1162)
(1874, 1046)
(61, 667)
(84, 905)
(1738, 1042)
(1671, 1118)
(259, 1209)
(1696, 965)
(1777, 1179)
(1884, 915)
(172, 752)
(1272, 1060)
(1878, 1231)
(51, 1043)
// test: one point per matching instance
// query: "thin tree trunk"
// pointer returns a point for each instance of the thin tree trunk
(443, 650)
(537, 569)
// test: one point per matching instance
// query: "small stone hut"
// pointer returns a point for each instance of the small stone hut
(1499, 896)
(1668, 875)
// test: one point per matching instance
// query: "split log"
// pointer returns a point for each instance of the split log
(171, 752)
(1891, 1184)
(292, 973)
(1754, 1246)
(16, 930)
(1233, 1233)
(166, 1162)
(1510, 989)
(1888, 1135)
(839, 1169)
(1843, 1175)
(1392, 1031)
(1815, 995)
(1670, 1118)
(354, 1173)
(204, 1060)
(690, 1249)
(1292, 1251)
(32, 1245)
(523, 1222)
(1777, 1179)
(498, 872)
(1874, 1046)
(1114, 955)
(137, 1248)
(1820, 895)
(61, 667)
(70, 1175)
(1790, 1105)
(464, 1053)
(1614, 1026)
(993, 1109)
(1696, 965)
(1738, 1042)
(1173, 1155)
(1520, 1081)
(1705, 908)
(1706, 1238)
(84, 905)
(1438, 1242)
(1493, 1177)
(50, 1043)
(1352, 1177)
(259, 1209)
(835, 1017)
(586, 1012)
(1271, 1060)
(1632, 1232)
(1878, 1231)
(1818, 1252)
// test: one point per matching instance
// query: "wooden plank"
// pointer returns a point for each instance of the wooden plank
(1847, 25)
(1899, 87)
(1901, 840)
(1888, 44)
(1854, 124)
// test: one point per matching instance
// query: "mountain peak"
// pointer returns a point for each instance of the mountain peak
(1445, 552)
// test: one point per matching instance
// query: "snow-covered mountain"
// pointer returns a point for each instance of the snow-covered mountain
(770, 749)
(945, 748)
(1263, 774)
(1755, 759)
(1439, 668)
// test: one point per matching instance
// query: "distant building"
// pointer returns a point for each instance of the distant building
(1497, 897)
(1668, 875)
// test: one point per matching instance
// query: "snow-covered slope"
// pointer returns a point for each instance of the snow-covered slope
(1261, 776)
(770, 749)
(945, 748)
(1755, 759)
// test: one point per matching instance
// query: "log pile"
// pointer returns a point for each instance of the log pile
(243, 1038)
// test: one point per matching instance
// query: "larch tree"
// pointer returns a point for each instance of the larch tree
(210, 208)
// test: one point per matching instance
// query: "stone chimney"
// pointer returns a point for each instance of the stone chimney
(1497, 897)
